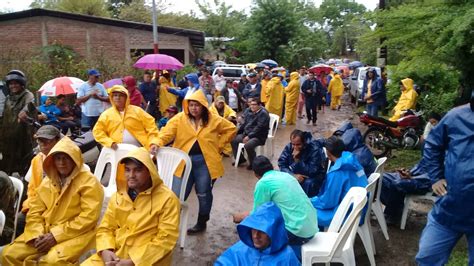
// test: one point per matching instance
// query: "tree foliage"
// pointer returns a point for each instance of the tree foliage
(86, 7)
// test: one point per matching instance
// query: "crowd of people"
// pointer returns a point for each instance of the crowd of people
(208, 117)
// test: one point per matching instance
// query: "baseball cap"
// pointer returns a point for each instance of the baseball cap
(251, 75)
(243, 75)
(93, 72)
(220, 99)
(172, 109)
(48, 132)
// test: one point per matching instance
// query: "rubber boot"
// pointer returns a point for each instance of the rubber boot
(200, 226)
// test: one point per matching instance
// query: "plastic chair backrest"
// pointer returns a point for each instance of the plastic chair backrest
(380, 169)
(168, 160)
(19, 189)
(327, 158)
(2, 222)
(345, 220)
(373, 179)
(108, 155)
(274, 120)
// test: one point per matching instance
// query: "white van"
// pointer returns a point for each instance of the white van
(357, 81)
(231, 72)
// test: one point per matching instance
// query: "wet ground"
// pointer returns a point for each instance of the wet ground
(234, 193)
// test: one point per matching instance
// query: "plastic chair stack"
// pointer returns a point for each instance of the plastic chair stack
(168, 160)
(112, 157)
(269, 145)
(377, 204)
(337, 244)
(365, 230)
(19, 189)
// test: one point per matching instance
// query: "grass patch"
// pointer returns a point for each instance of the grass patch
(403, 159)
(459, 255)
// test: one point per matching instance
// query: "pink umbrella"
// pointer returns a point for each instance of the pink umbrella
(317, 69)
(159, 62)
(112, 82)
(62, 85)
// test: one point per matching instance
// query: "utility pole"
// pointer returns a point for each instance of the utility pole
(382, 51)
(155, 30)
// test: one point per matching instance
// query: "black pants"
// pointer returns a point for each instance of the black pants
(249, 146)
(311, 106)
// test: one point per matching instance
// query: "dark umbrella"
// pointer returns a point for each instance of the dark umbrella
(270, 63)
(355, 64)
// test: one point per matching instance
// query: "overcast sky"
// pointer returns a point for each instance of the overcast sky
(176, 6)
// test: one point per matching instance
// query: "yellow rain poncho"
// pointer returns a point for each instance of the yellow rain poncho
(274, 92)
(211, 138)
(291, 100)
(110, 126)
(263, 95)
(166, 98)
(35, 180)
(228, 112)
(336, 88)
(69, 213)
(144, 230)
(406, 101)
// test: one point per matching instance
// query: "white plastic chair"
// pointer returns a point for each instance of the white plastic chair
(410, 199)
(19, 189)
(108, 155)
(262, 149)
(168, 160)
(329, 161)
(365, 230)
(337, 244)
(2, 222)
(377, 204)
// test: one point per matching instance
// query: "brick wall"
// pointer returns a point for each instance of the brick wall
(87, 39)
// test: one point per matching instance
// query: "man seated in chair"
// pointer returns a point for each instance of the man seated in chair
(252, 132)
(8, 198)
(304, 159)
(262, 238)
(61, 221)
(141, 223)
(346, 172)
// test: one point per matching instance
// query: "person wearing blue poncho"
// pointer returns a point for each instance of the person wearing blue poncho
(263, 241)
(346, 172)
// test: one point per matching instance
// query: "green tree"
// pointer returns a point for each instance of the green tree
(86, 7)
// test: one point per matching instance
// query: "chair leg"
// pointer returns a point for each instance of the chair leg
(364, 234)
(348, 257)
(377, 209)
(406, 205)
(237, 158)
(183, 227)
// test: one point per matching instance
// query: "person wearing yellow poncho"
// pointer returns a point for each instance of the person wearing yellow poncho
(220, 108)
(336, 89)
(62, 219)
(406, 101)
(275, 92)
(141, 223)
(267, 76)
(166, 98)
(292, 94)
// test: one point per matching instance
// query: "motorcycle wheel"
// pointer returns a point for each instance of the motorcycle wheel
(372, 138)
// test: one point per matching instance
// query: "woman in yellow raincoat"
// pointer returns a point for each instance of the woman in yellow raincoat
(61, 222)
(166, 98)
(203, 135)
(141, 222)
(407, 100)
(336, 89)
(220, 108)
(275, 92)
(291, 101)
(267, 76)
(125, 123)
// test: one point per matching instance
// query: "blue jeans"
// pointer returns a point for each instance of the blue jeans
(88, 121)
(201, 178)
(372, 109)
(437, 241)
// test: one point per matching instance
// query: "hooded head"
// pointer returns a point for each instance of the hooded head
(69, 148)
(408, 84)
(130, 83)
(372, 70)
(294, 75)
(269, 220)
(119, 90)
(142, 156)
(199, 97)
(352, 139)
(193, 78)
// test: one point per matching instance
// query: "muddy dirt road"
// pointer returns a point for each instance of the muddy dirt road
(234, 193)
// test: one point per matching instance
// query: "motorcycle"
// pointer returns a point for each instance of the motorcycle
(384, 135)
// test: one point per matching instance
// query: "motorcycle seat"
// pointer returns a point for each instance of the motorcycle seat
(385, 121)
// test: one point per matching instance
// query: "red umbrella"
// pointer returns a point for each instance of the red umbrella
(62, 85)
(159, 62)
(317, 69)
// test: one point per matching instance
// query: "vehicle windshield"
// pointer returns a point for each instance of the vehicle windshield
(362, 74)
(232, 73)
